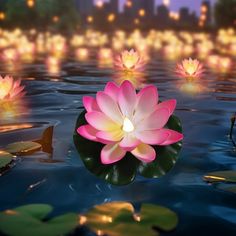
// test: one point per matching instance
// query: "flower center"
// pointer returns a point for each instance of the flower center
(129, 61)
(191, 69)
(4, 90)
(128, 125)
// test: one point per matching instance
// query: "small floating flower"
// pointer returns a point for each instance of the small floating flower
(130, 61)
(190, 69)
(82, 54)
(10, 55)
(10, 89)
(128, 122)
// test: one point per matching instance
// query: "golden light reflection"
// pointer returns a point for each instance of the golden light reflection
(82, 54)
(10, 55)
(192, 87)
(105, 57)
(107, 219)
(27, 51)
(53, 65)
(225, 64)
(213, 61)
(10, 212)
(136, 78)
(11, 110)
(214, 178)
(172, 51)
(82, 220)
(13, 127)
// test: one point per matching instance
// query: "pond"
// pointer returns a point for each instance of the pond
(62, 180)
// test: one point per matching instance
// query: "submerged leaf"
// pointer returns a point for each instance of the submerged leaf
(30, 220)
(124, 171)
(23, 148)
(119, 218)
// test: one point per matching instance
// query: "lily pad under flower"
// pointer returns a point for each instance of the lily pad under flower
(122, 132)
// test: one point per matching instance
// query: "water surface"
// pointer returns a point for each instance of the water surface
(56, 100)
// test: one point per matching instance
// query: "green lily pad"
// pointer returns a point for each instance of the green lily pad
(221, 176)
(30, 220)
(5, 158)
(23, 148)
(119, 218)
(124, 171)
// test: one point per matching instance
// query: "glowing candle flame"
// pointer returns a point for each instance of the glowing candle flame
(128, 125)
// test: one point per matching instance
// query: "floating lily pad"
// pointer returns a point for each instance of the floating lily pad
(5, 158)
(124, 171)
(23, 148)
(221, 176)
(119, 219)
(30, 220)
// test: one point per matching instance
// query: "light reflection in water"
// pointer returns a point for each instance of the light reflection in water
(14, 127)
(192, 87)
(136, 78)
(12, 110)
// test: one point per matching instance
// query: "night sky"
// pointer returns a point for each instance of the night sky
(194, 5)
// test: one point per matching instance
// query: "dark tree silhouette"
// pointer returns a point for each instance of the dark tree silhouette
(41, 15)
(225, 13)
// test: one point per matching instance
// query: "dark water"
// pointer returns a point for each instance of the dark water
(203, 209)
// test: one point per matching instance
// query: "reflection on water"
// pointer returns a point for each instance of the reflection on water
(13, 127)
(12, 110)
(68, 186)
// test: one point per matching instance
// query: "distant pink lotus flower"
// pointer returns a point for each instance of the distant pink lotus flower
(10, 55)
(130, 61)
(190, 69)
(128, 122)
(10, 89)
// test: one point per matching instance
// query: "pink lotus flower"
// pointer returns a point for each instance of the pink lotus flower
(128, 122)
(130, 61)
(10, 89)
(10, 55)
(190, 68)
